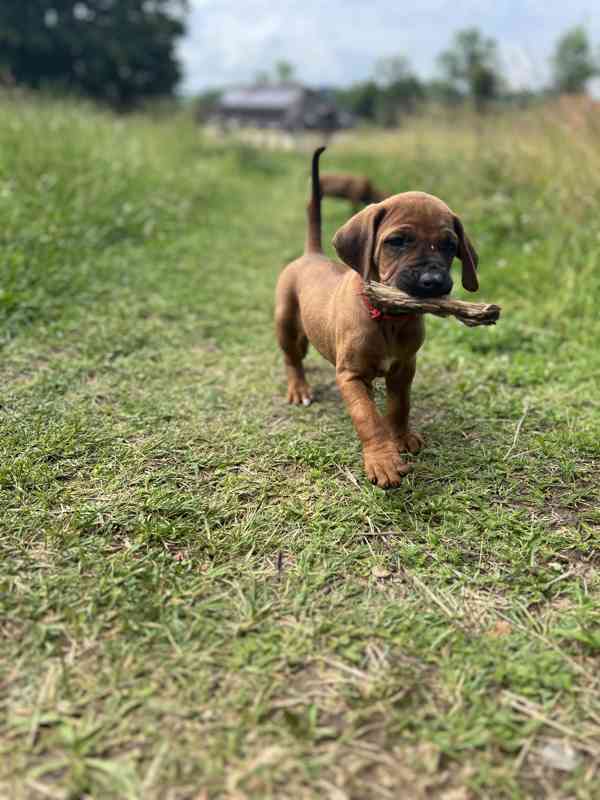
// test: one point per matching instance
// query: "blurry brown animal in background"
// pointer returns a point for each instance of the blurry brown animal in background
(356, 188)
(407, 241)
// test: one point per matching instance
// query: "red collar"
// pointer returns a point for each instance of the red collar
(378, 315)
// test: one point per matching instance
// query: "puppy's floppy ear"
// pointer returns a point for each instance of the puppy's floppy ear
(468, 255)
(356, 240)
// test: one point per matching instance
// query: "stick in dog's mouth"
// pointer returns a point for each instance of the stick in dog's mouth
(394, 301)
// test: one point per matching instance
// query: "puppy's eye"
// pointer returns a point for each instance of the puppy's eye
(399, 241)
(450, 247)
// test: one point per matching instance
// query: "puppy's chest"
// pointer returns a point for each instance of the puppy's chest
(396, 352)
(388, 364)
(390, 361)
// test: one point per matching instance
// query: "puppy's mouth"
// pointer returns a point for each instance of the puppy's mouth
(426, 282)
(429, 292)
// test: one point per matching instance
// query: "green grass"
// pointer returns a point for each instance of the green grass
(201, 596)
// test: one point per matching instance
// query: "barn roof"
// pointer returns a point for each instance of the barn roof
(267, 97)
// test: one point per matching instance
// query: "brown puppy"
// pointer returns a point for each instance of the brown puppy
(356, 188)
(407, 241)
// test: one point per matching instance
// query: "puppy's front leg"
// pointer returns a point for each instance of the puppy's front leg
(383, 464)
(398, 383)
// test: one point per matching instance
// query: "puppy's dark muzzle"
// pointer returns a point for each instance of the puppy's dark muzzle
(433, 284)
(427, 282)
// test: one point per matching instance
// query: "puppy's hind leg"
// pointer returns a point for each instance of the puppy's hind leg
(293, 342)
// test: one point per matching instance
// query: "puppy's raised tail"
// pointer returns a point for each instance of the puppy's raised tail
(313, 210)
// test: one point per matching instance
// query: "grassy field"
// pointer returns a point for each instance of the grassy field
(201, 595)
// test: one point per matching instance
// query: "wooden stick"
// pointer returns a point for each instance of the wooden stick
(393, 301)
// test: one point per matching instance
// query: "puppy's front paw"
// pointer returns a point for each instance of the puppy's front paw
(384, 467)
(409, 442)
(299, 393)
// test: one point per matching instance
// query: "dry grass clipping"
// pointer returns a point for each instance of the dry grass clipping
(393, 301)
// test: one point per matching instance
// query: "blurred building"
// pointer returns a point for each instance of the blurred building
(280, 106)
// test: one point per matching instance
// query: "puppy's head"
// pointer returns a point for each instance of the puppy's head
(408, 241)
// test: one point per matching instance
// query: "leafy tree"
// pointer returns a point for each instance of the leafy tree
(360, 99)
(392, 69)
(471, 66)
(281, 72)
(395, 91)
(444, 93)
(284, 71)
(573, 64)
(400, 91)
(116, 51)
(262, 77)
(206, 103)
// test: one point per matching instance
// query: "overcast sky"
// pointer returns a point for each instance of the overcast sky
(338, 41)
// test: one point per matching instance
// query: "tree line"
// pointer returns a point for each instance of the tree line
(470, 72)
(122, 53)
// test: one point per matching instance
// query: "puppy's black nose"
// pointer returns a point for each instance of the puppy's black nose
(431, 280)
(434, 283)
